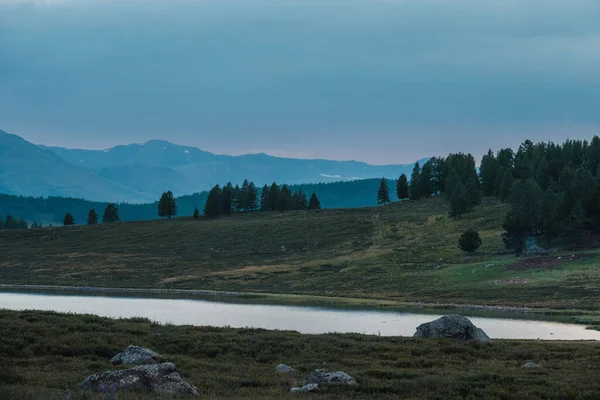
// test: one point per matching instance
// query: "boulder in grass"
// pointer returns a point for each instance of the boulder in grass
(136, 355)
(451, 327)
(158, 378)
(323, 376)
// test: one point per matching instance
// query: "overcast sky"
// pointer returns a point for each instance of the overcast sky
(382, 81)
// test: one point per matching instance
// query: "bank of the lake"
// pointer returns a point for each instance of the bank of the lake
(46, 355)
(589, 318)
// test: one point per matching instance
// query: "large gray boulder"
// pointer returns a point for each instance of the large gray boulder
(159, 378)
(136, 355)
(321, 376)
(451, 327)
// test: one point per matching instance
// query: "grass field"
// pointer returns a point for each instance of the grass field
(403, 252)
(46, 355)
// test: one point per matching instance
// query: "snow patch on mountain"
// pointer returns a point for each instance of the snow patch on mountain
(331, 176)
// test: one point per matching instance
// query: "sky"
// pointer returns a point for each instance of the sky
(381, 81)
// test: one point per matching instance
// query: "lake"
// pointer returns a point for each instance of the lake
(309, 320)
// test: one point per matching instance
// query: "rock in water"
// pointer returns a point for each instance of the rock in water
(160, 378)
(136, 355)
(311, 387)
(284, 369)
(321, 376)
(452, 327)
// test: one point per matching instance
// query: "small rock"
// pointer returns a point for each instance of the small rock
(284, 369)
(136, 355)
(534, 250)
(311, 387)
(530, 365)
(451, 327)
(159, 378)
(321, 376)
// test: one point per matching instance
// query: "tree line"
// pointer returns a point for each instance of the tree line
(228, 199)
(12, 223)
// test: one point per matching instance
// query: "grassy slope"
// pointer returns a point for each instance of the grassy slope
(45, 355)
(380, 253)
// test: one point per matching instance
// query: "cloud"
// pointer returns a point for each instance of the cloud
(274, 74)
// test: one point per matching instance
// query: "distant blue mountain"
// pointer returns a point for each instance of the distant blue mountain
(141, 172)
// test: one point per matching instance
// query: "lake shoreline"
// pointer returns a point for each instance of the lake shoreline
(583, 317)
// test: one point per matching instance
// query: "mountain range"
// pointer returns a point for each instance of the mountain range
(138, 173)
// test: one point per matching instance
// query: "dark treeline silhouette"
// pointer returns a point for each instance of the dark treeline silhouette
(230, 199)
(51, 210)
(12, 223)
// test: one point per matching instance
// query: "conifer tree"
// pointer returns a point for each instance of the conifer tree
(252, 197)
(167, 206)
(236, 198)
(314, 203)
(264, 198)
(272, 197)
(111, 214)
(459, 202)
(574, 225)
(506, 185)
(227, 194)
(243, 200)
(488, 170)
(383, 194)
(425, 187)
(550, 217)
(415, 179)
(68, 219)
(284, 200)
(214, 203)
(196, 214)
(402, 187)
(299, 200)
(92, 218)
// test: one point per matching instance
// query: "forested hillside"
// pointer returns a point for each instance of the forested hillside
(360, 193)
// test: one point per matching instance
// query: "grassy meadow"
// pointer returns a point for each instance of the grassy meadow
(46, 355)
(401, 252)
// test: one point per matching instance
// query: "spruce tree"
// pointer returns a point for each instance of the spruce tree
(228, 196)
(264, 198)
(111, 214)
(284, 200)
(469, 241)
(506, 185)
(252, 197)
(214, 203)
(243, 200)
(460, 202)
(550, 217)
(523, 218)
(171, 205)
(299, 201)
(92, 218)
(68, 219)
(162, 205)
(314, 203)
(425, 186)
(236, 198)
(272, 197)
(196, 214)
(383, 194)
(488, 169)
(402, 187)
(415, 179)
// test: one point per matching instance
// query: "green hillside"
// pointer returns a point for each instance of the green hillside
(404, 252)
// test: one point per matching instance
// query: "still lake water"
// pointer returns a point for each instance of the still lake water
(309, 320)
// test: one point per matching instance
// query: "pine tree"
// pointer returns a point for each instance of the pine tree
(415, 179)
(488, 169)
(228, 196)
(438, 174)
(252, 196)
(214, 203)
(549, 216)
(284, 201)
(243, 197)
(402, 187)
(299, 200)
(523, 217)
(506, 185)
(474, 193)
(162, 205)
(196, 213)
(1, 223)
(92, 218)
(469, 241)
(314, 203)
(264, 199)
(272, 197)
(383, 194)
(460, 202)
(111, 214)
(236, 198)
(68, 219)
(167, 206)
(172, 205)
(425, 186)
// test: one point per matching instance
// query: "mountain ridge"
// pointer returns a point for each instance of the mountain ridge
(140, 172)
